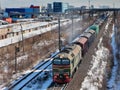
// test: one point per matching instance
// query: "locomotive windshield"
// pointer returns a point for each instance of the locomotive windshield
(61, 61)
(56, 61)
(65, 62)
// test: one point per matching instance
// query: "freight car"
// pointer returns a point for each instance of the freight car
(67, 61)
(83, 43)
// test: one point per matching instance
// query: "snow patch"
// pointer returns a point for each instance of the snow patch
(106, 27)
(113, 83)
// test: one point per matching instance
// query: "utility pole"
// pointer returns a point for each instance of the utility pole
(89, 4)
(59, 33)
(89, 11)
(22, 38)
(16, 50)
(0, 5)
(113, 5)
(72, 25)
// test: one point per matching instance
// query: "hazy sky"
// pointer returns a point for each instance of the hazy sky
(77, 3)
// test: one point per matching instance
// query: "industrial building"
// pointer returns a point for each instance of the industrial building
(21, 13)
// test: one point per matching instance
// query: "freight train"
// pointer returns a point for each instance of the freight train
(68, 60)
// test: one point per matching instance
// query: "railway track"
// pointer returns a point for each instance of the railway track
(55, 86)
(21, 83)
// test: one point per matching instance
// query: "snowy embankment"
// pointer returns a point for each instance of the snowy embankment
(96, 73)
(114, 81)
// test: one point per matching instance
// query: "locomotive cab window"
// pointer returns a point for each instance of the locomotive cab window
(56, 61)
(65, 61)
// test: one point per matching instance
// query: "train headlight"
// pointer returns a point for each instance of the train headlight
(67, 77)
(55, 77)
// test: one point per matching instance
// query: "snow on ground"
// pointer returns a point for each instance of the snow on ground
(95, 75)
(114, 81)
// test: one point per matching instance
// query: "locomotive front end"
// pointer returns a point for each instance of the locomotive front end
(61, 70)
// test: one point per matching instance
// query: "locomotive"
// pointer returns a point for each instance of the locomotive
(66, 63)
(68, 60)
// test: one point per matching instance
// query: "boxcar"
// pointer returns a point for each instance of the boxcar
(83, 42)
(93, 35)
(88, 36)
